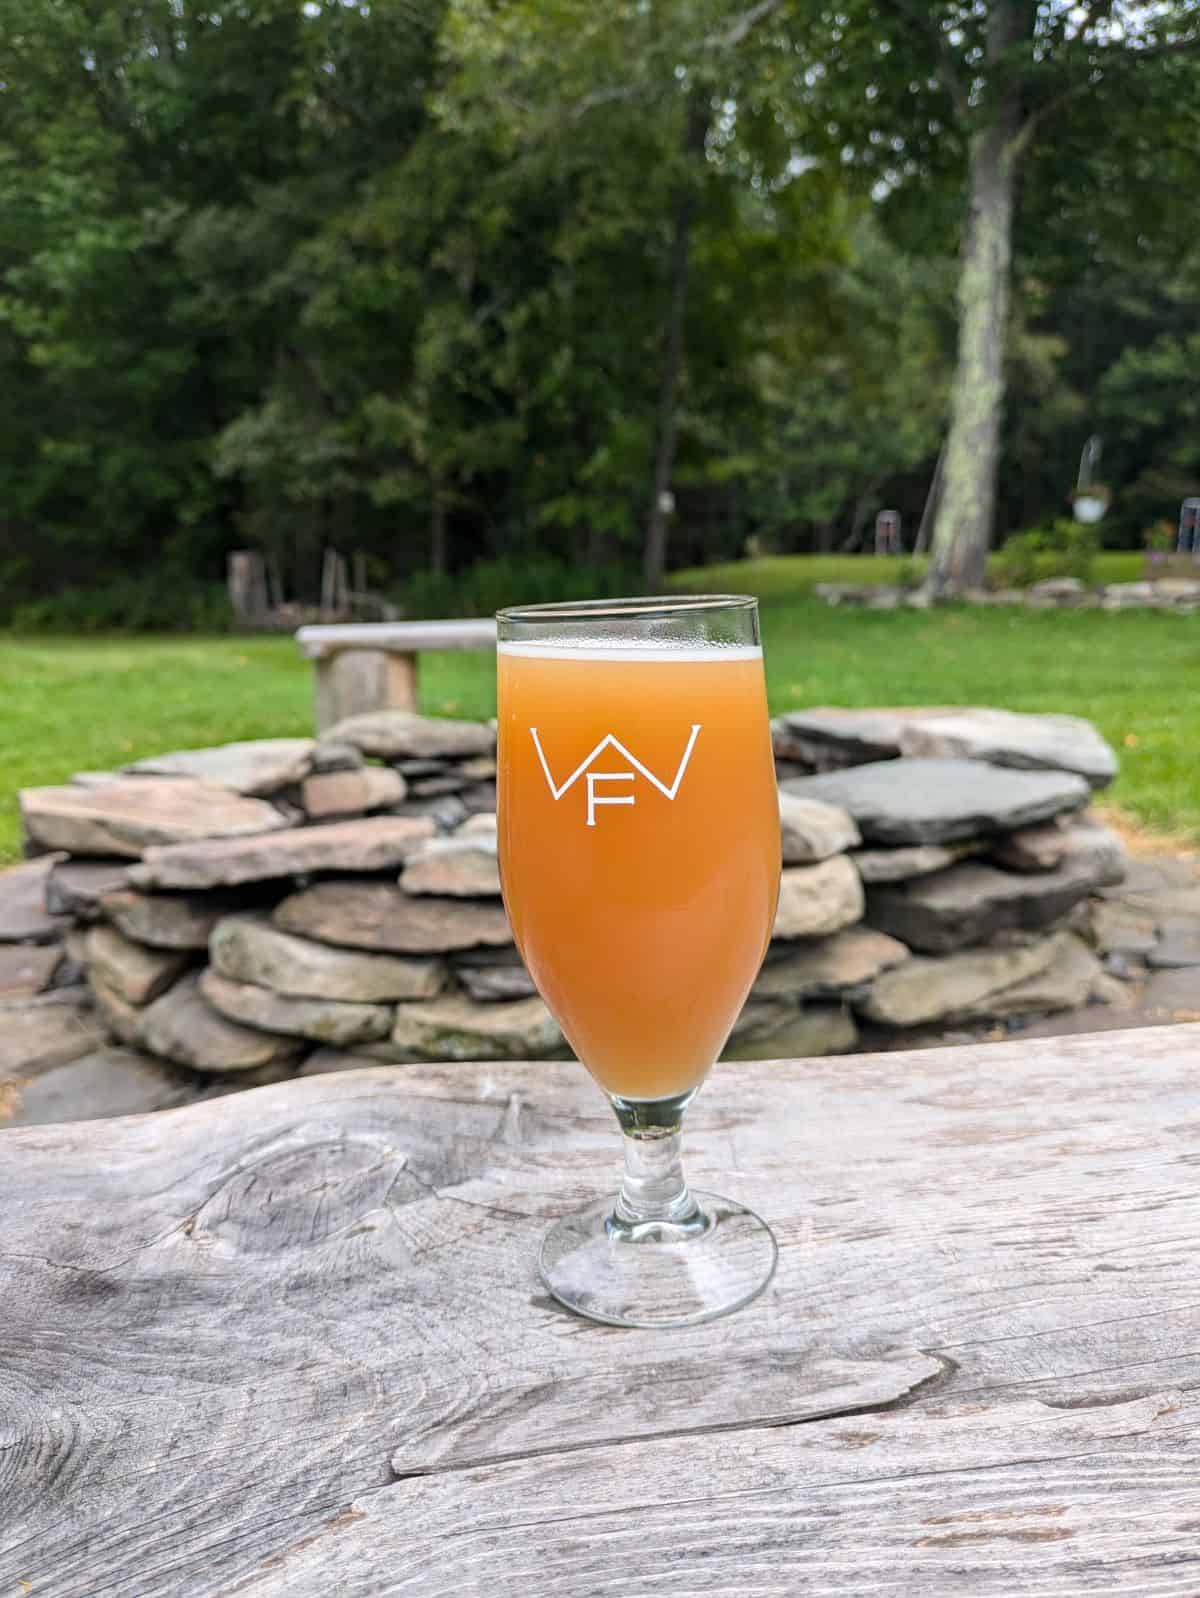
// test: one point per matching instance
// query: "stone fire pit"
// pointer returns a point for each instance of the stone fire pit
(218, 918)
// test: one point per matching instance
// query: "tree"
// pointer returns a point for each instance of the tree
(1118, 291)
(164, 171)
(449, 280)
(850, 410)
(696, 118)
(1149, 406)
(906, 92)
(577, 76)
(118, 123)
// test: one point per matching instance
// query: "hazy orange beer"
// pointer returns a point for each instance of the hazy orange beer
(639, 847)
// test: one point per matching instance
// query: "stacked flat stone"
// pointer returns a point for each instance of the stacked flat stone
(222, 917)
(243, 904)
(978, 855)
(1180, 594)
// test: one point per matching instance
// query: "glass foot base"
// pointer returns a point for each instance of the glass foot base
(659, 1273)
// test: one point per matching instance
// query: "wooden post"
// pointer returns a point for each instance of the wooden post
(400, 682)
(247, 586)
(328, 583)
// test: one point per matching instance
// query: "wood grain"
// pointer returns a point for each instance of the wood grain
(949, 1500)
(228, 1328)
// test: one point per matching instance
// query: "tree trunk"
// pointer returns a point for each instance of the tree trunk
(437, 535)
(962, 527)
(858, 522)
(932, 500)
(694, 136)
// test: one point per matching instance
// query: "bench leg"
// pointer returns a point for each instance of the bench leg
(353, 681)
(400, 682)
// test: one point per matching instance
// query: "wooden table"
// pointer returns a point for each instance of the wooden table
(291, 1341)
(362, 666)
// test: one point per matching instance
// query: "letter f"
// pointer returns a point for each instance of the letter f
(594, 799)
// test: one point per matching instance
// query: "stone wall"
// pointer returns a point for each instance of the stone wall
(1173, 593)
(978, 858)
(220, 917)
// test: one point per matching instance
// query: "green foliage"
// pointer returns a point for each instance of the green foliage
(909, 573)
(163, 603)
(1161, 538)
(1151, 396)
(1065, 548)
(1015, 564)
(489, 585)
(840, 418)
(1070, 548)
(294, 276)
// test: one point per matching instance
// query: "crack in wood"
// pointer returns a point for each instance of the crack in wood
(1128, 1394)
(922, 1387)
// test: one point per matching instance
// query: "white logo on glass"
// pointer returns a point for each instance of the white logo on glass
(593, 779)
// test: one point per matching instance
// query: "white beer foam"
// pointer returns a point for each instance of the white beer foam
(631, 649)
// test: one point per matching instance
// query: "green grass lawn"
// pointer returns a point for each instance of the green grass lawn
(70, 705)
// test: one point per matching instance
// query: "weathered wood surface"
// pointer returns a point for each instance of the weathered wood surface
(1021, 1498)
(292, 1341)
(400, 637)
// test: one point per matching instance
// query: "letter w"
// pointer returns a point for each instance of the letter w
(669, 793)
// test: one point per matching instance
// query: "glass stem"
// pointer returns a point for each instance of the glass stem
(654, 1199)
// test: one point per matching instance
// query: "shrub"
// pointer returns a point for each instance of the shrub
(909, 572)
(1160, 538)
(1070, 548)
(1014, 565)
(1064, 549)
(162, 603)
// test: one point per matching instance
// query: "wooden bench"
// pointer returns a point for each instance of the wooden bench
(363, 666)
(292, 1342)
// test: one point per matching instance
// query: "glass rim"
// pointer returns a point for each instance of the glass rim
(649, 605)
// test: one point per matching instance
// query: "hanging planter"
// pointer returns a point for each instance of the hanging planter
(1090, 503)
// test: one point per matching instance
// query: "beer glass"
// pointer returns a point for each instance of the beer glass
(639, 856)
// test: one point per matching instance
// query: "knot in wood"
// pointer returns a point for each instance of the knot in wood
(297, 1197)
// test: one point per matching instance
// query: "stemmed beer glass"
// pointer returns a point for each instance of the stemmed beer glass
(639, 856)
